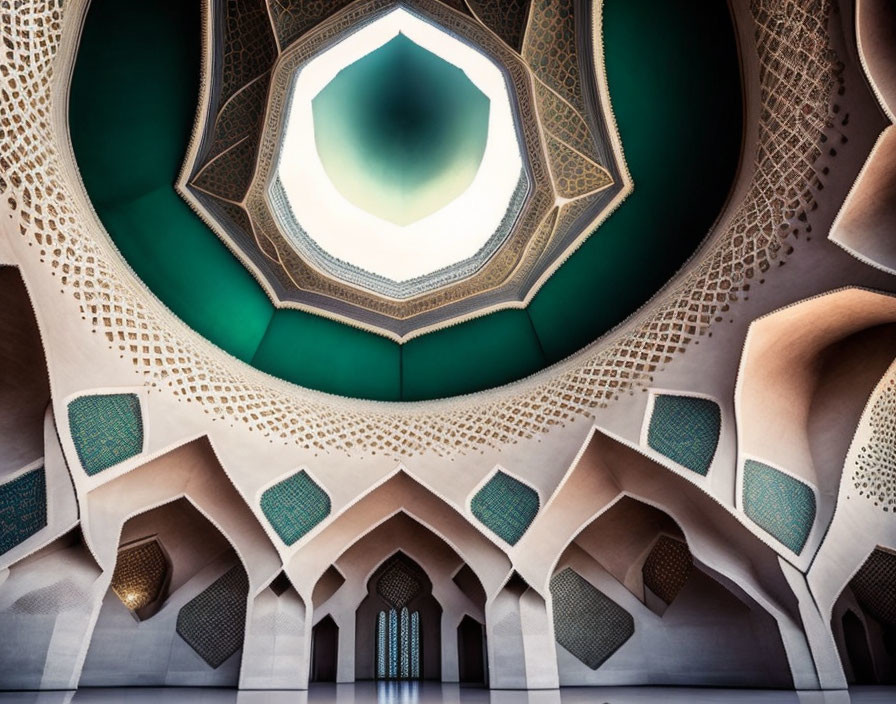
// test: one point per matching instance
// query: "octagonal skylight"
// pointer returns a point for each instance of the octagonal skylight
(337, 216)
(401, 133)
(400, 158)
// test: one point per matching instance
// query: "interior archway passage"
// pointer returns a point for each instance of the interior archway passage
(403, 621)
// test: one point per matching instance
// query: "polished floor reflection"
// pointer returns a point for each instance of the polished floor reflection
(413, 693)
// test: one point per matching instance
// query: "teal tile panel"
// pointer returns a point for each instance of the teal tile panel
(779, 504)
(294, 506)
(506, 507)
(106, 429)
(685, 429)
(23, 508)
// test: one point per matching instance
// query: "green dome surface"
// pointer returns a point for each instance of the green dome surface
(675, 86)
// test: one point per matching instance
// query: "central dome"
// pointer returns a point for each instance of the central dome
(401, 132)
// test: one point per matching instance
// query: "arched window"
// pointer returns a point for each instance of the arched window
(398, 644)
(398, 625)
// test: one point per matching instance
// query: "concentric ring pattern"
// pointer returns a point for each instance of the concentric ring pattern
(683, 133)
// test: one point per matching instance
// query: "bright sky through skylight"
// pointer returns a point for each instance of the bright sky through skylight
(453, 233)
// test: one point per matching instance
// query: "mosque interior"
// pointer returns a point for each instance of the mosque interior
(518, 344)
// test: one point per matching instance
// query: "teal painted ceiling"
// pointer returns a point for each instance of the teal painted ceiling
(674, 81)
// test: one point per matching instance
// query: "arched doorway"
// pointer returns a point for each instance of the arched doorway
(324, 650)
(398, 625)
(471, 651)
(863, 621)
(855, 639)
(627, 578)
(179, 591)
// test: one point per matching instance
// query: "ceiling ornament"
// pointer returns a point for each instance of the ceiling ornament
(41, 186)
(550, 171)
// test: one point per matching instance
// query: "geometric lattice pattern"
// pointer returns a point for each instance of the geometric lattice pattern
(505, 506)
(140, 574)
(798, 74)
(245, 115)
(106, 429)
(667, 568)
(248, 45)
(294, 506)
(779, 504)
(589, 624)
(213, 623)
(291, 19)
(550, 48)
(874, 586)
(874, 475)
(573, 174)
(506, 18)
(686, 430)
(23, 508)
(399, 584)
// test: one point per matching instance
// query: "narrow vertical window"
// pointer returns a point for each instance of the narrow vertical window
(393, 644)
(405, 656)
(415, 645)
(381, 645)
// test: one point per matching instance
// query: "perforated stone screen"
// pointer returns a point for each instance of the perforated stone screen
(399, 584)
(589, 624)
(106, 429)
(667, 568)
(874, 476)
(139, 575)
(213, 623)
(875, 586)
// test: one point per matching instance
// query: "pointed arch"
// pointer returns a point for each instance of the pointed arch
(401, 492)
(203, 600)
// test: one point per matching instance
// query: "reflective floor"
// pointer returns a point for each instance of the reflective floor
(413, 693)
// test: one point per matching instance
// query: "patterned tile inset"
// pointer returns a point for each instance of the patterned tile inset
(23, 508)
(139, 574)
(506, 507)
(588, 623)
(779, 504)
(294, 506)
(399, 585)
(106, 429)
(875, 586)
(667, 568)
(686, 430)
(213, 623)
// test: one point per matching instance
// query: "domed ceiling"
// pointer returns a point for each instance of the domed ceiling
(409, 200)
(693, 485)
(410, 168)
